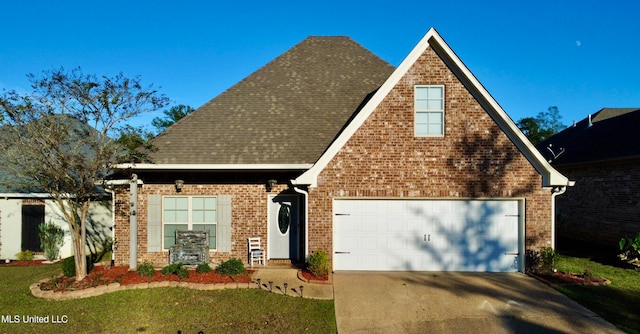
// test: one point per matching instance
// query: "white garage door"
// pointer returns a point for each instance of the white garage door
(427, 235)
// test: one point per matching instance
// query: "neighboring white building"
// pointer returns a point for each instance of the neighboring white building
(20, 215)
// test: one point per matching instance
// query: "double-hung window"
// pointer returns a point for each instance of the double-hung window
(429, 110)
(188, 213)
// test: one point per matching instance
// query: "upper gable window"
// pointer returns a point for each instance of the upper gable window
(429, 110)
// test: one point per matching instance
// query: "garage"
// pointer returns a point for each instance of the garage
(428, 235)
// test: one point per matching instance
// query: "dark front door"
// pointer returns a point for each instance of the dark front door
(32, 216)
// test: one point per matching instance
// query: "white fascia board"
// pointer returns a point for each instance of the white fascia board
(135, 166)
(118, 182)
(550, 176)
(24, 195)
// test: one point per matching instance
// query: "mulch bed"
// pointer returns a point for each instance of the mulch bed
(560, 278)
(311, 277)
(101, 275)
(25, 263)
(121, 274)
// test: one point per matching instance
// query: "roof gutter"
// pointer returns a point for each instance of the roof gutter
(247, 167)
(25, 195)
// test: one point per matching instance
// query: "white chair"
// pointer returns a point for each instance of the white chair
(256, 254)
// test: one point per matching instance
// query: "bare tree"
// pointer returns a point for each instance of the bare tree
(55, 139)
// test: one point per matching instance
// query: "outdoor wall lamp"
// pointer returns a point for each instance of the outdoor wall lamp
(270, 184)
(179, 184)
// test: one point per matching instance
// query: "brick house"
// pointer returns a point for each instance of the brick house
(328, 147)
(602, 154)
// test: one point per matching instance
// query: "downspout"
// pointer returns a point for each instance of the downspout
(133, 222)
(555, 191)
(305, 219)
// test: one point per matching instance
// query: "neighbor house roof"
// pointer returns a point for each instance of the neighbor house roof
(13, 180)
(609, 134)
(285, 113)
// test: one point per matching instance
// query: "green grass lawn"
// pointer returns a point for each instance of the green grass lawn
(160, 310)
(618, 303)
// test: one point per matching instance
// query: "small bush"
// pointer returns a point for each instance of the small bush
(232, 267)
(183, 272)
(146, 269)
(630, 246)
(69, 266)
(25, 255)
(203, 268)
(51, 239)
(549, 257)
(319, 264)
(175, 269)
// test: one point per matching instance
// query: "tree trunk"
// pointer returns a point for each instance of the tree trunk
(79, 252)
(78, 230)
(81, 263)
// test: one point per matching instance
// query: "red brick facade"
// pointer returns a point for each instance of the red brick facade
(474, 159)
(249, 218)
(604, 204)
(383, 159)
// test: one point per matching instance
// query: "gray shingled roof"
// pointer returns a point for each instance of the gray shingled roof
(611, 135)
(287, 112)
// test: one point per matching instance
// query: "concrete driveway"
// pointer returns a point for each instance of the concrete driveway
(430, 302)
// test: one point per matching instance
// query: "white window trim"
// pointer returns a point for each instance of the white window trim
(415, 111)
(190, 222)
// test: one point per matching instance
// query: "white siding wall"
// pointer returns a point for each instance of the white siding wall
(11, 225)
(10, 228)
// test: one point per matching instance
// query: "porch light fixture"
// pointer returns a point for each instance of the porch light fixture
(270, 184)
(179, 184)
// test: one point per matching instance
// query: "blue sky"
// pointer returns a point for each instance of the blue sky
(580, 56)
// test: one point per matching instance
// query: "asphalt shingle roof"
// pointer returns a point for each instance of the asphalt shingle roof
(612, 135)
(287, 112)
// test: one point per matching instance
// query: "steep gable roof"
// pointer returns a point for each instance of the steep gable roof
(609, 134)
(550, 176)
(287, 112)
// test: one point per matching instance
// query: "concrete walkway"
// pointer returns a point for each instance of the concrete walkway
(279, 276)
(429, 302)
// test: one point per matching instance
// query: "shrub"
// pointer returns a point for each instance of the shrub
(203, 268)
(175, 269)
(319, 264)
(146, 269)
(51, 239)
(630, 247)
(548, 256)
(69, 266)
(25, 255)
(231, 267)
